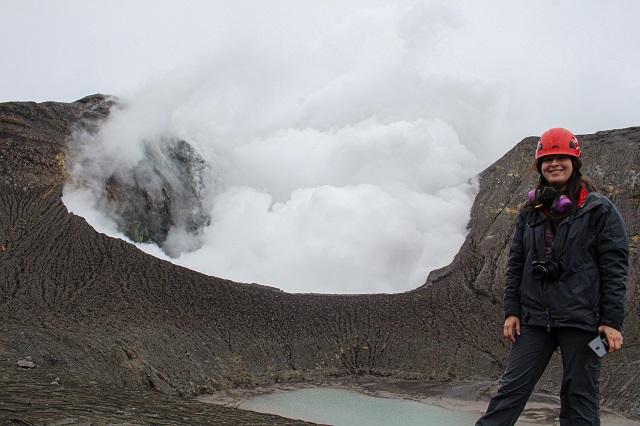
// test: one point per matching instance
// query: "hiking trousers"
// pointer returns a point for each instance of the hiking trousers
(528, 358)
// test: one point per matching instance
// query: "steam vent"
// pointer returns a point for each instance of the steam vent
(101, 327)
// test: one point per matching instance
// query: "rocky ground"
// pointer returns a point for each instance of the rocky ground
(92, 309)
(33, 398)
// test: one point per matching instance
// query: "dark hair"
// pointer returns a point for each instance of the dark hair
(573, 186)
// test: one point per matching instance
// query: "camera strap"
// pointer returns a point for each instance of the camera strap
(548, 219)
(533, 227)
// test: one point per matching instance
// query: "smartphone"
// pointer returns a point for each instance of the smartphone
(600, 346)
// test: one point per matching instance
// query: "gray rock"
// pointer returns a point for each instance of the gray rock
(164, 190)
(25, 363)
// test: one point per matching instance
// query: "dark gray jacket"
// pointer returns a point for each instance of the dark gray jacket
(591, 246)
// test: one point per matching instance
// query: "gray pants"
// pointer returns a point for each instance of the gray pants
(529, 356)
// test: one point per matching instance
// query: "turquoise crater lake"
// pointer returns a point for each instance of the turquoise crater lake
(341, 407)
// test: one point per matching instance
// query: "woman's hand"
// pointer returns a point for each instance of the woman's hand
(511, 328)
(614, 337)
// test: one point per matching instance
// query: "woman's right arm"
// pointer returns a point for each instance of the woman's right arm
(515, 267)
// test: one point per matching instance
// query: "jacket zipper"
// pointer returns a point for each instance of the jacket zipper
(545, 287)
(548, 319)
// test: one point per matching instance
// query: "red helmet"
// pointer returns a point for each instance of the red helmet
(558, 141)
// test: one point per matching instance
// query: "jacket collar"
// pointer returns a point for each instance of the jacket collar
(591, 201)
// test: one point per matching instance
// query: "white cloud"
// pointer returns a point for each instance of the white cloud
(342, 136)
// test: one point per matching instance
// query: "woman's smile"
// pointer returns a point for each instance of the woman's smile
(557, 170)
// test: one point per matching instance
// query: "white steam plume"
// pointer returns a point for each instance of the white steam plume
(341, 164)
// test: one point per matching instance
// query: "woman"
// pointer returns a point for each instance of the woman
(565, 285)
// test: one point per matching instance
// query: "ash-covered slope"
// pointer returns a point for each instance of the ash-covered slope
(87, 307)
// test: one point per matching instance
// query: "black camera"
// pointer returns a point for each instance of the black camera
(548, 269)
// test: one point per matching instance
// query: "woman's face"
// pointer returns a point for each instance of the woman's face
(557, 170)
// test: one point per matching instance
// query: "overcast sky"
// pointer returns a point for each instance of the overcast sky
(571, 62)
(344, 135)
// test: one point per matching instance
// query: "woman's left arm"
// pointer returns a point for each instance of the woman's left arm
(612, 251)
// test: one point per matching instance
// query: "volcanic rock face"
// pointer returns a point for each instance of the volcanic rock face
(165, 190)
(87, 307)
(162, 192)
(33, 138)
